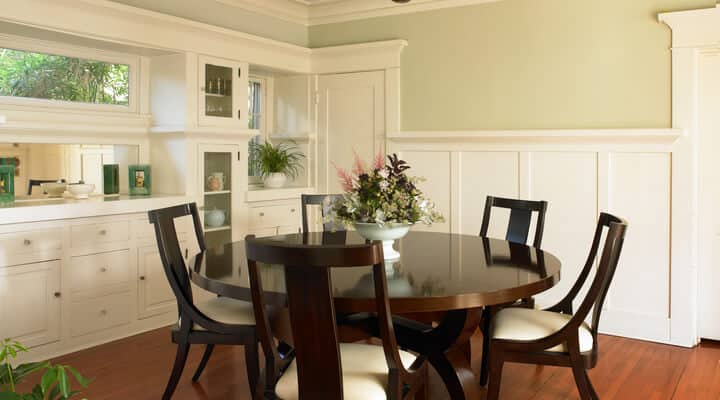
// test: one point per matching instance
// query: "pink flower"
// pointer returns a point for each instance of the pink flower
(379, 160)
(346, 180)
(358, 166)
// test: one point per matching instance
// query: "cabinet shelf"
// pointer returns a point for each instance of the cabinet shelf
(217, 192)
(217, 229)
(218, 95)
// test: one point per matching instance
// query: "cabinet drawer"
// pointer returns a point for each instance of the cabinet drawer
(98, 271)
(145, 231)
(31, 241)
(88, 235)
(269, 216)
(99, 314)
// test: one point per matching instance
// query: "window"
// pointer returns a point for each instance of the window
(37, 75)
(256, 109)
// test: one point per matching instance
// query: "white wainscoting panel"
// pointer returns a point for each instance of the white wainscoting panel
(629, 177)
(638, 188)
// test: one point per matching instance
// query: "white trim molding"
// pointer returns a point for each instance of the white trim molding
(694, 28)
(357, 57)
(318, 12)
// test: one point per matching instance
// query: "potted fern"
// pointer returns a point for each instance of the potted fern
(276, 163)
(55, 379)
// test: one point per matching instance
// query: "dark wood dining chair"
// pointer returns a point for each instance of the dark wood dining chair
(557, 336)
(521, 213)
(325, 202)
(218, 321)
(323, 368)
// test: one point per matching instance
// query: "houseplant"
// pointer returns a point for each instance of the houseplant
(276, 163)
(55, 379)
(382, 202)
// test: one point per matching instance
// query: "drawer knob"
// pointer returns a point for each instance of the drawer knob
(103, 312)
(57, 294)
(292, 210)
(142, 278)
(103, 232)
(262, 214)
(103, 269)
(27, 242)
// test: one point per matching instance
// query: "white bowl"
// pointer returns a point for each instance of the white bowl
(81, 190)
(54, 189)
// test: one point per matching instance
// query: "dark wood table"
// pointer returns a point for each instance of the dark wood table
(456, 275)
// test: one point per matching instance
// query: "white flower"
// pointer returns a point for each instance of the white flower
(383, 173)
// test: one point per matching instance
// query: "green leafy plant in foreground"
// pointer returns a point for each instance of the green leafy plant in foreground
(55, 381)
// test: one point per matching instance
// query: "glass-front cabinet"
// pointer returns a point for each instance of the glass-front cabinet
(219, 173)
(223, 93)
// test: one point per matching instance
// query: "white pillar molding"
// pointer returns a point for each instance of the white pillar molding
(692, 32)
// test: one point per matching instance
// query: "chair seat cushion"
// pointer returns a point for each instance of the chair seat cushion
(227, 311)
(365, 373)
(529, 324)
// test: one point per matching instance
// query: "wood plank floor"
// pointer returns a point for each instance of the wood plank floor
(137, 368)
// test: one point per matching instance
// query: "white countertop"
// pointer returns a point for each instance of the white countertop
(53, 209)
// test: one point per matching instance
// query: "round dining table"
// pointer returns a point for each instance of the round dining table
(450, 276)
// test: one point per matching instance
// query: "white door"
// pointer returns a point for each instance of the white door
(709, 232)
(351, 117)
(155, 296)
(30, 303)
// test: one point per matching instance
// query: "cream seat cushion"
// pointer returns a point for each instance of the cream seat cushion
(364, 369)
(529, 324)
(227, 311)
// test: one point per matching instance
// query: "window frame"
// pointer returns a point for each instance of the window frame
(263, 131)
(65, 50)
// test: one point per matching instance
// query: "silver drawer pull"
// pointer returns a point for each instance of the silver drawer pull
(103, 232)
(142, 278)
(103, 312)
(292, 210)
(57, 294)
(27, 242)
(103, 269)
(262, 214)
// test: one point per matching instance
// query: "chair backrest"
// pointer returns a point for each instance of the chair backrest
(312, 312)
(169, 247)
(595, 297)
(38, 182)
(325, 201)
(520, 218)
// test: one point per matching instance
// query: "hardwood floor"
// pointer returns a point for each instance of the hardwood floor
(137, 368)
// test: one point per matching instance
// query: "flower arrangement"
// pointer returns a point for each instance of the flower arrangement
(383, 194)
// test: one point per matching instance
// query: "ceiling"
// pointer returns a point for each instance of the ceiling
(317, 12)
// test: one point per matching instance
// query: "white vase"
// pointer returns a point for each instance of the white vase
(388, 233)
(275, 180)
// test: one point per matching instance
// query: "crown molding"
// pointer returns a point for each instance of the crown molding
(357, 57)
(694, 28)
(317, 12)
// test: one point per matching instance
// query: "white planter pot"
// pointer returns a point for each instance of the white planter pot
(388, 233)
(275, 180)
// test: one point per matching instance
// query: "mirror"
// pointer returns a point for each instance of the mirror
(71, 162)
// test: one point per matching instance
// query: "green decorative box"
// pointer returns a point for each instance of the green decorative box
(140, 179)
(111, 179)
(7, 183)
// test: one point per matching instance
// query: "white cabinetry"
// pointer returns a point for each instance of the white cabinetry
(154, 293)
(274, 218)
(223, 93)
(30, 302)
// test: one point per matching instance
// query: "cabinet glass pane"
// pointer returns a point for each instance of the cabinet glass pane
(218, 198)
(218, 91)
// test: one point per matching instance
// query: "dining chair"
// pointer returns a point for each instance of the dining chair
(325, 202)
(323, 368)
(557, 336)
(521, 212)
(37, 182)
(218, 321)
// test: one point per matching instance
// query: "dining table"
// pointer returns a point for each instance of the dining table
(449, 276)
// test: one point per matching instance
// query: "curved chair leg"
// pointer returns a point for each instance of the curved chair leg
(252, 364)
(496, 368)
(582, 380)
(180, 358)
(201, 367)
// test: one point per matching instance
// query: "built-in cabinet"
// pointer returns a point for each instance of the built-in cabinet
(220, 172)
(223, 93)
(270, 218)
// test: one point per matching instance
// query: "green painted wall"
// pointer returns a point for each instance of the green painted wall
(219, 14)
(529, 64)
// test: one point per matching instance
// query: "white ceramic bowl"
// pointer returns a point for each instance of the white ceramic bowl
(54, 189)
(81, 190)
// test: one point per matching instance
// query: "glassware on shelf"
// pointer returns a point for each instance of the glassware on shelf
(220, 86)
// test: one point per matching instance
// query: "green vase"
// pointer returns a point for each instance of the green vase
(111, 179)
(7, 183)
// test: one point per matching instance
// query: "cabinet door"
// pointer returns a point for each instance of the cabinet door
(221, 183)
(155, 296)
(223, 93)
(264, 232)
(30, 303)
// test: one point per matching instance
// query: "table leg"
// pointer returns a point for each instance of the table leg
(448, 349)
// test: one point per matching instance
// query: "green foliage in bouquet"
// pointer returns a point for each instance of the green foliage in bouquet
(382, 194)
(55, 381)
